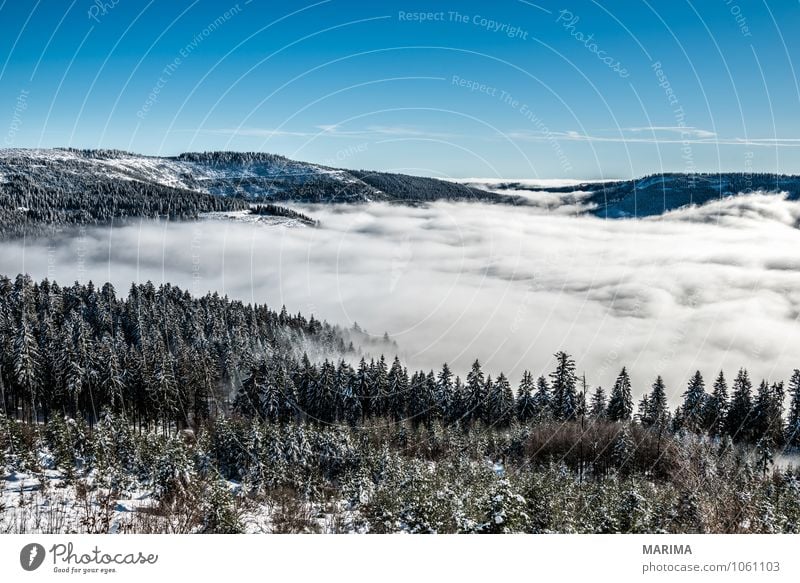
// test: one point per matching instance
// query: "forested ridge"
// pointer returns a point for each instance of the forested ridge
(658, 193)
(38, 199)
(44, 191)
(158, 356)
(164, 359)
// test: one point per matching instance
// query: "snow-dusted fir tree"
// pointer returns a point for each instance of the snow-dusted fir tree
(506, 510)
(26, 360)
(623, 449)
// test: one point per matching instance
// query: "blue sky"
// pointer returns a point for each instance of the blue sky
(518, 89)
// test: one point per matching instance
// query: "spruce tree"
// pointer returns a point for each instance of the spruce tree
(739, 419)
(381, 384)
(417, 402)
(598, 404)
(444, 393)
(363, 388)
(643, 410)
(767, 415)
(793, 417)
(620, 403)
(26, 362)
(694, 403)
(326, 391)
(525, 404)
(716, 409)
(485, 406)
(460, 409)
(501, 402)
(659, 410)
(393, 400)
(542, 400)
(475, 392)
(563, 383)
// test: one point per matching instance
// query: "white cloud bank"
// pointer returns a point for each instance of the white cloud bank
(700, 288)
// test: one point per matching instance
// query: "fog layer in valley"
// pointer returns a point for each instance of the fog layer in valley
(700, 288)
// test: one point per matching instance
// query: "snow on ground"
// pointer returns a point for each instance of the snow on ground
(47, 503)
(248, 217)
(220, 179)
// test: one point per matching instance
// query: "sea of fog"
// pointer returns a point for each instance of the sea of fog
(708, 288)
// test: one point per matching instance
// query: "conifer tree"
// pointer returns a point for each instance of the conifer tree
(563, 383)
(694, 404)
(475, 392)
(27, 362)
(417, 406)
(767, 415)
(525, 403)
(793, 420)
(326, 393)
(620, 403)
(460, 408)
(363, 388)
(485, 405)
(658, 412)
(739, 419)
(392, 400)
(643, 410)
(542, 400)
(716, 409)
(501, 402)
(598, 404)
(444, 393)
(380, 384)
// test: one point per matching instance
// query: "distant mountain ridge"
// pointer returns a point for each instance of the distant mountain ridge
(44, 190)
(659, 193)
(254, 176)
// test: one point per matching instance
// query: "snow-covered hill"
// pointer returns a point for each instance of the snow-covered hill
(254, 176)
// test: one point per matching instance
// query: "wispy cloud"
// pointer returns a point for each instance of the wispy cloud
(660, 135)
(333, 130)
(690, 135)
(682, 130)
(406, 131)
